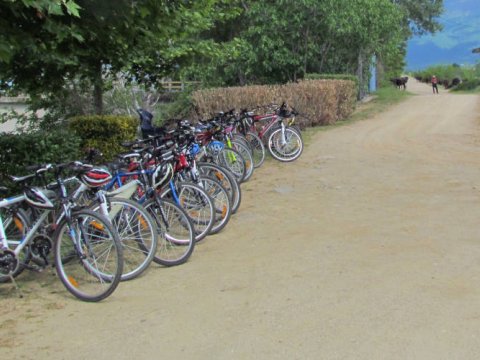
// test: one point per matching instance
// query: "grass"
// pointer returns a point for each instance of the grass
(468, 92)
(381, 100)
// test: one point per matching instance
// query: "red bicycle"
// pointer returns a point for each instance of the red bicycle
(277, 130)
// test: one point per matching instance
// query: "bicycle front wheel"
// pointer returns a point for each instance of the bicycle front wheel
(226, 178)
(246, 153)
(232, 161)
(88, 256)
(285, 145)
(197, 204)
(258, 149)
(221, 202)
(138, 234)
(177, 235)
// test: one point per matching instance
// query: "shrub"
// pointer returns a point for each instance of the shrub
(104, 132)
(21, 150)
(322, 102)
(314, 76)
(468, 85)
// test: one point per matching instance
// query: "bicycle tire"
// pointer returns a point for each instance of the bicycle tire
(226, 178)
(77, 266)
(258, 149)
(221, 202)
(246, 153)
(138, 235)
(197, 204)
(285, 149)
(233, 162)
(176, 232)
(239, 137)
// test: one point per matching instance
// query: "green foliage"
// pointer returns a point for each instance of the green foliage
(468, 75)
(331, 77)
(21, 150)
(104, 132)
(144, 42)
(468, 85)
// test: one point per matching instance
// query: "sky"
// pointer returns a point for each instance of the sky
(454, 44)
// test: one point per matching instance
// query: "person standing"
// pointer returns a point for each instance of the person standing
(434, 84)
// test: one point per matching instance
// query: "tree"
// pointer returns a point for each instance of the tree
(144, 40)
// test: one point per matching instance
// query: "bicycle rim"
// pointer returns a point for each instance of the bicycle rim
(176, 233)
(233, 162)
(226, 178)
(285, 148)
(88, 256)
(244, 150)
(138, 235)
(221, 202)
(258, 149)
(198, 206)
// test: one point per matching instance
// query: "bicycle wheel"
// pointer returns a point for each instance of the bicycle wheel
(246, 153)
(221, 202)
(241, 138)
(226, 178)
(138, 234)
(177, 235)
(197, 204)
(233, 162)
(258, 149)
(88, 256)
(285, 146)
(16, 224)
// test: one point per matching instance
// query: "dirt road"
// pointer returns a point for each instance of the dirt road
(367, 247)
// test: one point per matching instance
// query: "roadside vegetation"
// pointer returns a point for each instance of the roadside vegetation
(64, 56)
(458, 78)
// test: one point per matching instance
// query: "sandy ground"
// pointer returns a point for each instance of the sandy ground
(367, 247)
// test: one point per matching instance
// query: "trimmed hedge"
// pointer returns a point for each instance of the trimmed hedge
(314, 76)
(321, 102)
(21, 150)
(104, 132)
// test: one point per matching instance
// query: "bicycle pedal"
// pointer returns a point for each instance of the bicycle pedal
(35, 268)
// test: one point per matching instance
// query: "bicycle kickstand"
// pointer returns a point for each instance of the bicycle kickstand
(12, 279)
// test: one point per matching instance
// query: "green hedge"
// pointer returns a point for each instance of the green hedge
(314, 76)
(104, 132)
(21, 150)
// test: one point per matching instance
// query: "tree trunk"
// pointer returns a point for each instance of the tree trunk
(361, 85)
(98, 90)
(380, 72)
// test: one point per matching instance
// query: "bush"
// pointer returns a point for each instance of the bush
(21, 150)
(322, 102)
(314, 76)
(468, 85)
(104, 132)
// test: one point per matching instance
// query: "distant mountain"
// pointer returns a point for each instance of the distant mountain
(461, 34)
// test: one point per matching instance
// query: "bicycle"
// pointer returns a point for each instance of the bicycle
(135, 226)
(88, 254)
(176, 231)
(284, 141)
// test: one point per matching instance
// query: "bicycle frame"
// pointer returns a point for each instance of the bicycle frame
(28, 236)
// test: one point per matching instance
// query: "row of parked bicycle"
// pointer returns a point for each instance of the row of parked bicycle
(168, 191)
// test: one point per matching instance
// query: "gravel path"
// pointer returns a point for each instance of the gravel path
(367, 247)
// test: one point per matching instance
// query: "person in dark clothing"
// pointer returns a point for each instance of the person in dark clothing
(434, 84)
